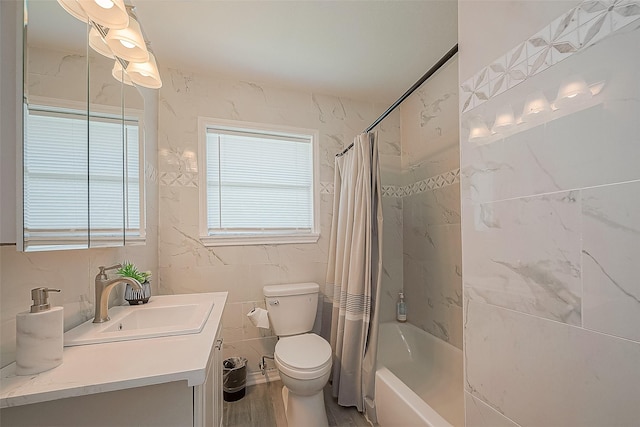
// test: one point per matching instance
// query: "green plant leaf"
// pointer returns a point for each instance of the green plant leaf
(130, 270)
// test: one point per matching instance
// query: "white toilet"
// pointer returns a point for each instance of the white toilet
(303, 359)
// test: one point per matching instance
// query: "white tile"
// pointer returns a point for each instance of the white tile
(481, 78)
(543, 373)
(429, 118)
(497, 67)
(526, 255)
(517, 74)
(611, 254)
(625, 13)
(561, 154)
(466, 99)
(539, 61)
(595, 30)
(498, 85)
(482, 94)
(516, 55)
(479, 414)
(590, 10)
(564, 24)
(232, 322)
(538, 43)
(432, 276)
(564, 47)
(433, 207)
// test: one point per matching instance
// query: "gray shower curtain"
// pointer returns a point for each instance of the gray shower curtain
(353, 274)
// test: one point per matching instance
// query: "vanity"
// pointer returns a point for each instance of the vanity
(171, 380)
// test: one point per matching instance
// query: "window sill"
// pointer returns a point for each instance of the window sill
(43, 242)
(237, 240)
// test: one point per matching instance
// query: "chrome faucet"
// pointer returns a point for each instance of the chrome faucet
(104, 285)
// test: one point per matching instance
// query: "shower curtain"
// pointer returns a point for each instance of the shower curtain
(353, 275)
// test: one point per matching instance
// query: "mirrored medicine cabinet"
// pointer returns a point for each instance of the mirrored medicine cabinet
(83, 140)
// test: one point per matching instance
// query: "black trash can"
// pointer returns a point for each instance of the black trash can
(234, 378)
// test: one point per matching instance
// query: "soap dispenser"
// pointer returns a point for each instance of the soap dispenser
(39, 334)
(401, 314)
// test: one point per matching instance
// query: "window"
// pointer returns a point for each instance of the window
(76, 194)
(257, 184)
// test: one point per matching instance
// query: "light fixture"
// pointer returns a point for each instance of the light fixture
(128, 43)
(74, 9)
(478, 129)
(535, 107)
(145, 73)
(573, 90)
(120, 74)
(118, 37)
(505, 120)
(98, 44)
(108, 13)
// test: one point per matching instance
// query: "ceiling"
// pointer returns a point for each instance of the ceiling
(361, 49)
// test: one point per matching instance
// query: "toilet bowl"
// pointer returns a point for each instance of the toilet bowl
(303, 359)
(304, 364)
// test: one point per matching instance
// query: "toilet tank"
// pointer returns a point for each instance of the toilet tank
(292, 308)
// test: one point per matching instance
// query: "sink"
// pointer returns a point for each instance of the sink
(162, 316)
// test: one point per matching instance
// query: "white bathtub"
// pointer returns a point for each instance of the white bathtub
(418, 379)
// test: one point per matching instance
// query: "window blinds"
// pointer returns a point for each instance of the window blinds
(72, 186)
(258, 183)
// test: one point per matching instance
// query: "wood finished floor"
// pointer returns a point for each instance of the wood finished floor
(262, 407)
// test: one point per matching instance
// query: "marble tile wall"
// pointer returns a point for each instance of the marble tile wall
(431, 206)
(185, 265)
(392, 190)
(73, 271)
(551, 231)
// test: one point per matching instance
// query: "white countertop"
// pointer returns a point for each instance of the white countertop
(99, 368)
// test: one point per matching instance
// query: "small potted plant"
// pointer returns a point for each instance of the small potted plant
(131, 295)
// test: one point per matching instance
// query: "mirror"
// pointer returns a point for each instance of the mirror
(83, 139)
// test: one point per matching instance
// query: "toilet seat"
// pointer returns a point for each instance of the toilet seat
(303, 357)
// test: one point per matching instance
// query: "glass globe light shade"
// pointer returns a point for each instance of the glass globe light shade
(128, 43)
(145, 73)
(108, 13)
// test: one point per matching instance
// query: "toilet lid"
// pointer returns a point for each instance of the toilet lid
(307, 351)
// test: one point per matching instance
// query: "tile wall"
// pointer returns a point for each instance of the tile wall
(424, 225)
(73, 271)
(431, 209)
(185, 265)
(392, 190)
(551, 224)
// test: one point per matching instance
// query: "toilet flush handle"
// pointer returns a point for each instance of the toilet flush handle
(274, 302)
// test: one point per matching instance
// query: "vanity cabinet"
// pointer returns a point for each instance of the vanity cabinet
(174, 404)
(207, 398)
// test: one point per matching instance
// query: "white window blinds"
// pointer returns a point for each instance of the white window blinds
(71, 187)
(258, 183)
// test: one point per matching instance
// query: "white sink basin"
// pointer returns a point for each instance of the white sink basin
(162, 316)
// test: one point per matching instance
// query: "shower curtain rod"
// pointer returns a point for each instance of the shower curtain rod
(447, 56)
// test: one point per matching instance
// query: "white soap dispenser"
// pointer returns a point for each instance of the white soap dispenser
(401, 314)
(39, 332)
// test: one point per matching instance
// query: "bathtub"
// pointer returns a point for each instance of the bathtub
(418, 379)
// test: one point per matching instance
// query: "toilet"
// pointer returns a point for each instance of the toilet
(303, 359)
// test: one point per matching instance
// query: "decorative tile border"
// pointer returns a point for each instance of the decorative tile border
(581, 27)
(429, 184)
(326, 188)
(150, 172)
(179, 179)
(190, 179)
(432, 183)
